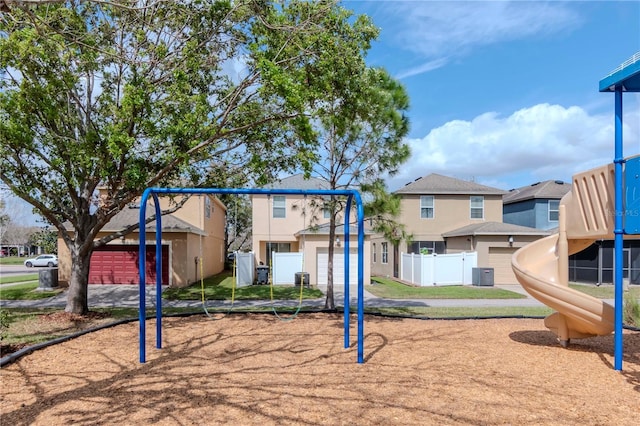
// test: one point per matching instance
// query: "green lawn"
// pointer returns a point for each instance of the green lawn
(18, 278)
(462, 312)
(26, 291)
(605, 291)
(12, 260)
(390, 289)
(220, 287)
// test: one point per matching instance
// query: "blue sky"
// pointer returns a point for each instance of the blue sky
(506, 92)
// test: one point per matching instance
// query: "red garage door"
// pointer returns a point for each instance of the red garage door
(117, 264)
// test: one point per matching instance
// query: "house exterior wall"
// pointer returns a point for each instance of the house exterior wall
(450, 212)
(542, 215)
(531, 213)
(378, 268)
(184, 247)
(522, 213)
(267, 228)
(317, 244)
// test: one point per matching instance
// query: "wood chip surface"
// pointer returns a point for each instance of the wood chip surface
(254, 369)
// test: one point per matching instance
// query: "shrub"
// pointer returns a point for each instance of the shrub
(5, 320)
(632, 311)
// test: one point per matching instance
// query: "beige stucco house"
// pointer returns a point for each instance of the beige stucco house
(448, 215)
(193, 245)
(295, 223)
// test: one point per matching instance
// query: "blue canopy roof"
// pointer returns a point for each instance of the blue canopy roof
(626, 76)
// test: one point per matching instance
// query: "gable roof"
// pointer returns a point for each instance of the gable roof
(323, 229)
(549, 189)
(494, 228)
(130, 215)
(439, 184)
(299, 182)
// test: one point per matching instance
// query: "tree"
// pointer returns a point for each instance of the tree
(45, 238)
(100, 100)
(361, 130)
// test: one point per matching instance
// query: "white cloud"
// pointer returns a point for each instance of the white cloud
(533, 144)
(420, 69)
(441, 30)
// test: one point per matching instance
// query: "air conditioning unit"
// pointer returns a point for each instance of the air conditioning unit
(482, 277)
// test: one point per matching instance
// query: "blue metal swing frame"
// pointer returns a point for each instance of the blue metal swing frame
(154, 192)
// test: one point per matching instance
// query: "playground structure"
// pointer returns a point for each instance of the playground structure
(541, 267)
(595, 209)
(153, 193)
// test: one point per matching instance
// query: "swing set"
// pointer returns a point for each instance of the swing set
(154, 192)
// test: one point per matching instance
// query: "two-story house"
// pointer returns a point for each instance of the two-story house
(535, 205)
(299, 223)
(193, 245)
(449, 215)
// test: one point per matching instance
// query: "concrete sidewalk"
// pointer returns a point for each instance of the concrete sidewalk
(101, 296)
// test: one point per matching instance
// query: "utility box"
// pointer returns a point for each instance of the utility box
(48, 279)
(482, 277)
(302, 278)
(262, 274)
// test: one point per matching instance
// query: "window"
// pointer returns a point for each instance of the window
(277, 248)
(326, 212)
(554, 210)
(385, 252)
(207, 207)
(477, 207)
(427, 247)
(426, 207)
(279, 206)
(373, 250)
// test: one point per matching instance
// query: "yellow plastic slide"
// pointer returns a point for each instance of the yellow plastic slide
(541, 267)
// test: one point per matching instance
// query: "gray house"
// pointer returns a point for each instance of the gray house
(535, 205)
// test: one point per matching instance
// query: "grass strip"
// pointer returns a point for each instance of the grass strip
(26, 291)
(18, 278)
(391, 289)
(220, 287)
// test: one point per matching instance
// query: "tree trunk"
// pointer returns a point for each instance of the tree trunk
(77, 297)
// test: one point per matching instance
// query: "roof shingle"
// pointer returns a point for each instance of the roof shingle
(549, 189)
(439, 184)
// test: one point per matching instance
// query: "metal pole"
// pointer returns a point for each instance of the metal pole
(618, 231)
(158, 271)
(360, 208)
(347, 296)
(141, 268)
(142, 251)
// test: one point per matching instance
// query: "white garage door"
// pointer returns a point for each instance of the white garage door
(338, 267)
(500, 261)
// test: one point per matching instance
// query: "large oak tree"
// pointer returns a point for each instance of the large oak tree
(124, 95)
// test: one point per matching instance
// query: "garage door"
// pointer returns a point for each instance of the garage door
(118, 264)
(500, 261)
(338, 267)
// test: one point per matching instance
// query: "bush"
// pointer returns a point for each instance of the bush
(5, 320)
(631, 311)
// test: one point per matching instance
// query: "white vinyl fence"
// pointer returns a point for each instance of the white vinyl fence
(438, 269)
(245, 269)
(285, 266)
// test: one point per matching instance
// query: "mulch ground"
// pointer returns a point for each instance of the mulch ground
(255, 369)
